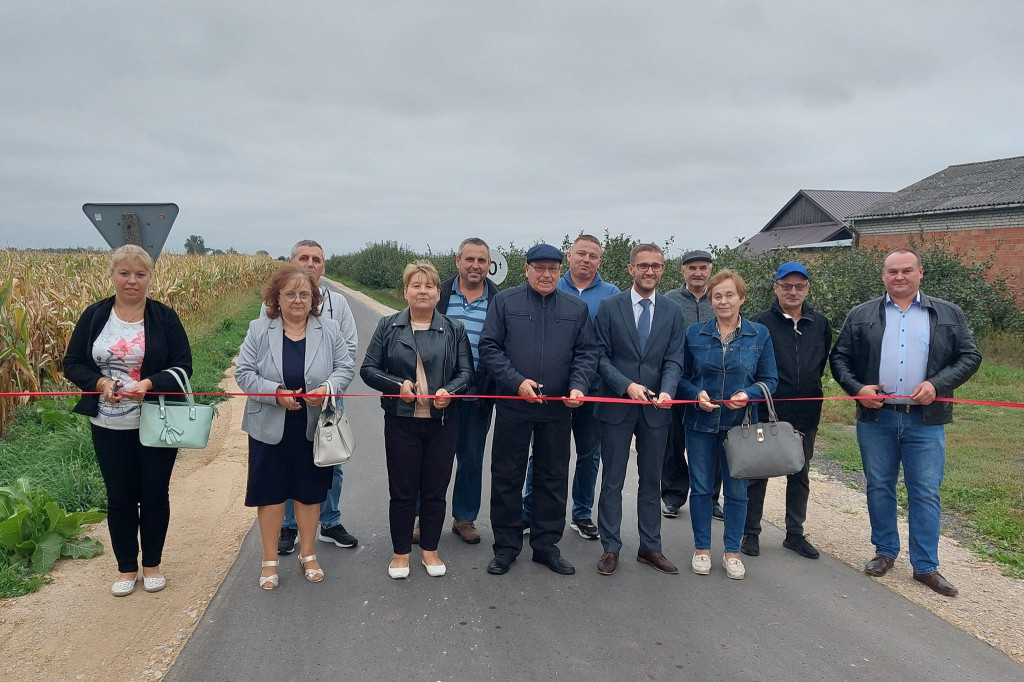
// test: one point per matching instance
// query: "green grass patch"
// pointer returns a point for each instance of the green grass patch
(216, 336)
(389, 297)
(984, 480)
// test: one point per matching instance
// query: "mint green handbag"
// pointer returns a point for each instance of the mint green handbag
(176, 424)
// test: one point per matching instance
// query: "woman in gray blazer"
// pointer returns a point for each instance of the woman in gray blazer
(293, 350)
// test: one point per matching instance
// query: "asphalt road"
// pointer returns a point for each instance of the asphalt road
(790, 619)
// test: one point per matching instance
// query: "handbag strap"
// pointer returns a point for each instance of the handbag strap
(186, 387)
(330, 403)
(772, 416)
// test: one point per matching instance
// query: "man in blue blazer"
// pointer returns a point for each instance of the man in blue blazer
(640, 339)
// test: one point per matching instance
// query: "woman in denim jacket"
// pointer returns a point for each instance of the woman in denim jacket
(723, 359)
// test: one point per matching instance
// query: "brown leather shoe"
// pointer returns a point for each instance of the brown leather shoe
(879, 566)
(466, 530)
(657, 561)
(939, 584)
(608, 563)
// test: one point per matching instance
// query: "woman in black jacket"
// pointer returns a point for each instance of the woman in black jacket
(418, 352)
(120, 348)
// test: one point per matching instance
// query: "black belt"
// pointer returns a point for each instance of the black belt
(905, 409)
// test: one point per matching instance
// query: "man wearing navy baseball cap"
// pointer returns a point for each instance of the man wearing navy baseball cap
(537, 341)
(801, 337)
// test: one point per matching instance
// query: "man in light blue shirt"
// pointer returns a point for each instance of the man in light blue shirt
(918, 348)
(581, 279)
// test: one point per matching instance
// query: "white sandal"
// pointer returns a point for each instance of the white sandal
(313, 575)
(271, 580)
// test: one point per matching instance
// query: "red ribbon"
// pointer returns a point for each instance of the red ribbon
(585, 399)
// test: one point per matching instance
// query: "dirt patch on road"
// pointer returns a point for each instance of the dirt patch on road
(74, 629)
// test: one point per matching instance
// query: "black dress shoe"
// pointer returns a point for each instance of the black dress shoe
(800, 545)
(555, 562)
(499, 564)
(717, 511)
(751, 545)
(939, 584)
(608, 563)
(879, 566)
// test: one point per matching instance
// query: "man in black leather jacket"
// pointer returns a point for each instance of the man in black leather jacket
(537, 341)
(915, 348)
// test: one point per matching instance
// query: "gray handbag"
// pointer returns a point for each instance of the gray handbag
(764, 450)
(333, 441)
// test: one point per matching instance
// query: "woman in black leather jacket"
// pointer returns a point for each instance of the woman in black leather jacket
(418, 352)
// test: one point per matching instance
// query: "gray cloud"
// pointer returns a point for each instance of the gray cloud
(425, 122)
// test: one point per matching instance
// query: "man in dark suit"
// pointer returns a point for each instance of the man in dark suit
(640, 338)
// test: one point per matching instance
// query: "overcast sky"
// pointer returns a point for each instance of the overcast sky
(425, 122)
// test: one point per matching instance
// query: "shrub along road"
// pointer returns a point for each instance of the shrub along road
(789, 619)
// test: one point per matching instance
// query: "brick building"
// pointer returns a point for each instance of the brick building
(979, 207)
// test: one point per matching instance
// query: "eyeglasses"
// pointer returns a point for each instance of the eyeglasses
(291, 295)
(654, 267)
(553, 269)
(802, 286)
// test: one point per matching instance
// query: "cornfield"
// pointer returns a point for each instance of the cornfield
(42, 296)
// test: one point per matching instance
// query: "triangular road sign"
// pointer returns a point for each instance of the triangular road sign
(144, 224)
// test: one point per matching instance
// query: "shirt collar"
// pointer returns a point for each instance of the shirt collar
(458, 290)
(635, 297)
(917, 299)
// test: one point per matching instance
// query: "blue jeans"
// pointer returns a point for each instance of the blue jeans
(329, 514)
(474, 422)
(897, 437)
(706, 453)
(587, 436)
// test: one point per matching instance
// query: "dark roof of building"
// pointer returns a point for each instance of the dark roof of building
(981, 185)
(835, 204)
(839, 203)
(793, 236)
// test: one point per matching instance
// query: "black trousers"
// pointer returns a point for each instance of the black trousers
(138, 505)
(798, 489)
(675, 473)
(510, 450)
(420, 454)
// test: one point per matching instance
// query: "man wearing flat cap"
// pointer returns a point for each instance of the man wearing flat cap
(801, 337)
(536, 342)
(675, 474)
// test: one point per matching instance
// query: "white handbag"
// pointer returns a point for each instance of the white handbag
(333, 442)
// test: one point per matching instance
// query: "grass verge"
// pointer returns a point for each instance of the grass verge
(984, 480)
(389, 297)
(53, 448)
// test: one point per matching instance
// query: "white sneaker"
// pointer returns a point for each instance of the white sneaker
(733, 568)
(700, 564)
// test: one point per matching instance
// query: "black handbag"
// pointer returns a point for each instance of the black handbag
(764, 450)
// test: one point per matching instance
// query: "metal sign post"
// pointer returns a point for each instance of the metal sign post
(146, 225)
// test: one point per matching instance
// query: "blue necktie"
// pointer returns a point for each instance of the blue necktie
(643, 325)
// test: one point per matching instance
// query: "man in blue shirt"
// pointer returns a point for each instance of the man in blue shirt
(465, 297)
(582, 279)
(916, 348)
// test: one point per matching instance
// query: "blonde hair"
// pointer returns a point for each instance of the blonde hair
(132, 253)
(423, 267)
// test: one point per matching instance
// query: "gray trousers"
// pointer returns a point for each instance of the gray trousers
(650, 445)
